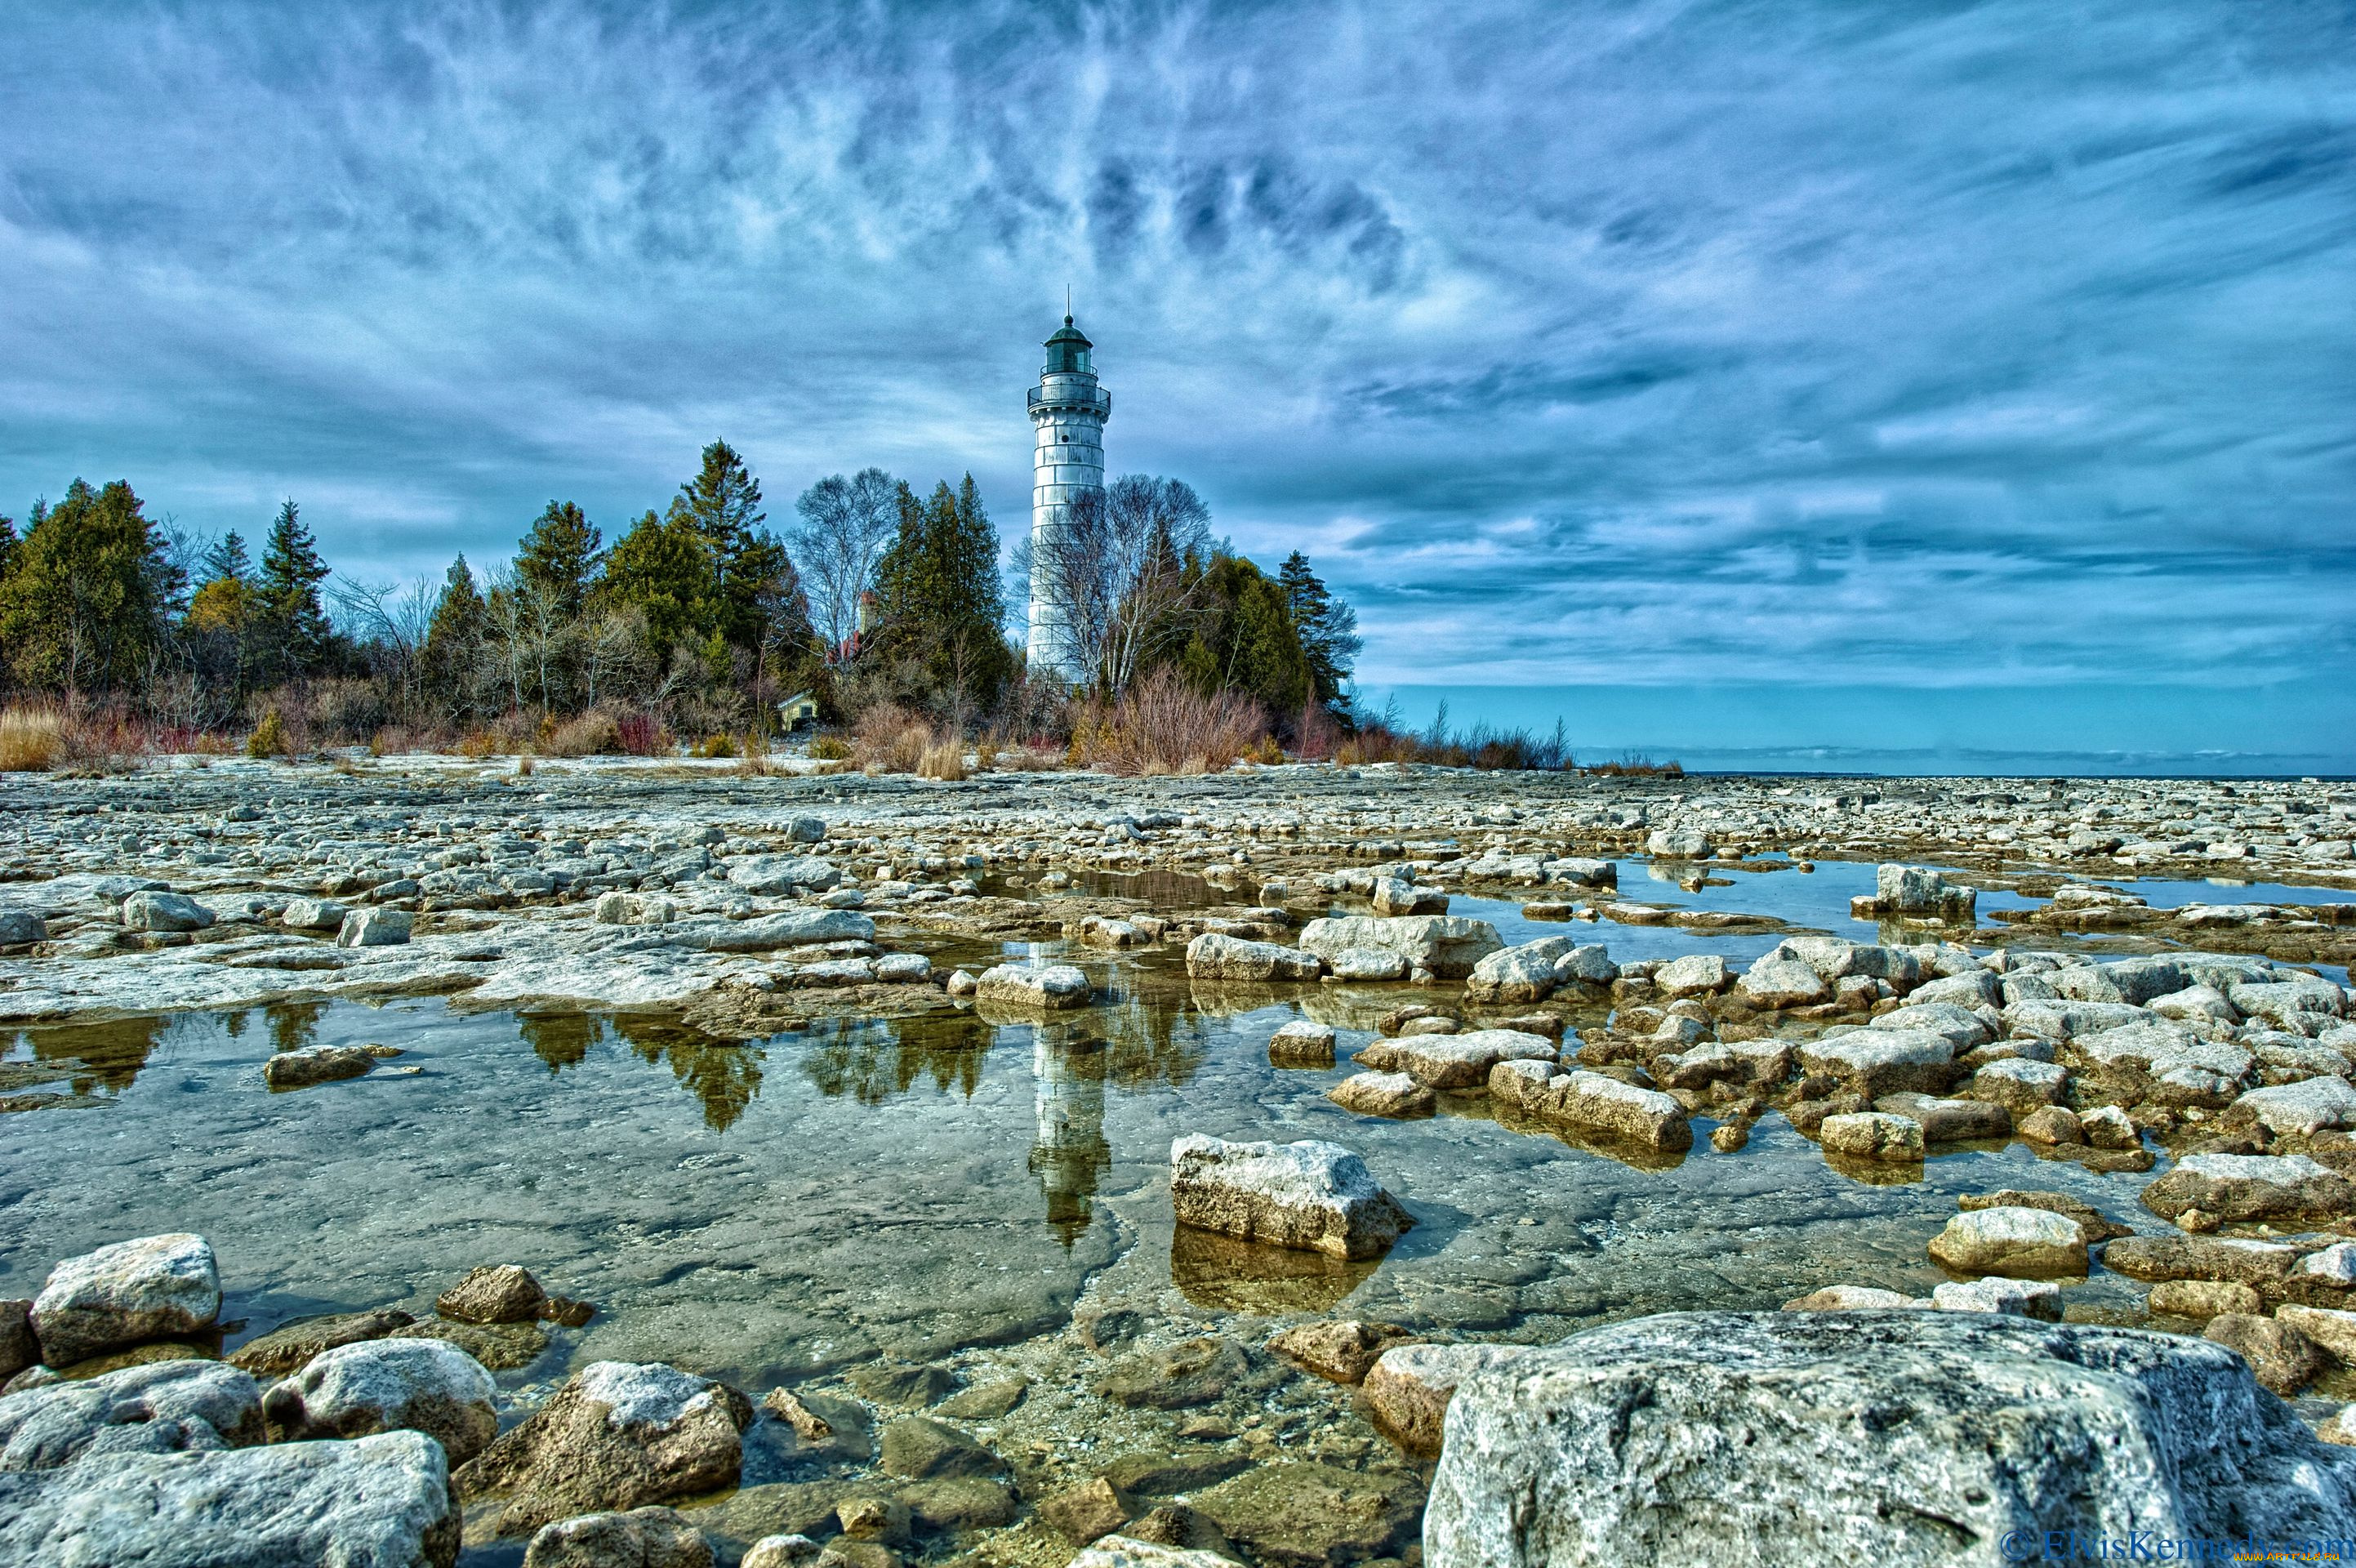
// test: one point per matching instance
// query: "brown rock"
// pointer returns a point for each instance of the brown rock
(501, 1347)
(923, 1449)
(808, 1425)
(1082, 1513)
(1408, 1388)
(642, 1538)
(2051, 1125)
(2284, 1359)
(1176, 1524)
(1290, 1514)
(566, 1312)
(501, 1292)
(2244, 1261)
(17, 1348)
(1342, 1350)
(288, 1347)
(2330, 1327)
(872, 1519)
(2205, 1299)
(857, 1554)
(2091, 1223)
(961, 1502)
(985, 1401)
(615, 1436)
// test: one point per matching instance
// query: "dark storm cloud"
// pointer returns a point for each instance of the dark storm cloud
(1626, 341)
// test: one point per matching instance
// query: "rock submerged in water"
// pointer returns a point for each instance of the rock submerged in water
(492, 1293)
(617, 1435)
(381, 1500)
(1316, 1196)
(317, 1064)
(1808, 1439)
(641, 1538)
(2018, 1244)
(152, 1288)
(286, 1350)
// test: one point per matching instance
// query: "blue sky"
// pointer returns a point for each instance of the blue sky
(1997, 351)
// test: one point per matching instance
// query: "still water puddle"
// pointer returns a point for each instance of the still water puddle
(764, 1211)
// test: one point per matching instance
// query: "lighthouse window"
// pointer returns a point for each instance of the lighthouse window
(1062, 438)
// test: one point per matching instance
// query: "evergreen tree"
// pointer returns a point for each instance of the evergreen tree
(1328, 630)
(1244, 639)
(228, 560)
(662, 568)
(87, 594)
(7, 544)
(939, 592)
(296, 636)
(559, 557)
(453, 639)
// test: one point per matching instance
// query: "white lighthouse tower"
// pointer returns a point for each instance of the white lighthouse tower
(1068, 411)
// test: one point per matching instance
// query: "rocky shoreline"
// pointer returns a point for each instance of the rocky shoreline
(2184, 1045)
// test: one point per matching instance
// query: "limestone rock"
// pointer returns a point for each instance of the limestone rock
(642, 1538)
(317, 1064)
(1463, 1061)
(379, 1502)
(920, 1448)
(1875, 1062)
(2040, 1299)
(386, 1385)
(2283, 1359)
(1408, 1388)
(492, 1293)
(285, 1348)
(1391, 895)
(2019, 1085)
(2301, 1109)
(501, 1347)
(1523, 973)
(1447, 945)
(1292, 1515)
(1383, 1094)
(158, 911)
(2019, 1243)
(2330, 1327)
(1594, 1103)
(1776, 981)
(1314, 1195)
(617, 1435)
(2240, 1259)
(1301, 1043)
(1729, 1438)
(1851, 1299)
(152, 1288)
(1696, 974)
(1368, 963)
(1086, 1512)
(1125, 1551)
(373, 929)
(781, 1552)
(19, 1348)
(1043, 987)
(159, 1408)
(2205, 1299)
(1214, 956)
(1873, 1136)
(773, 875)
(1341, 1350)
(312, 915)
(2251, 1186)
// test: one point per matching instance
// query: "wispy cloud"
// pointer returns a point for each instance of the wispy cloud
(1629, 341)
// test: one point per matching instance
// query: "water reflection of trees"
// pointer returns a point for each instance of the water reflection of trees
(95, 1057)
(873, 1059)
(724, 1075)
(293, 1025)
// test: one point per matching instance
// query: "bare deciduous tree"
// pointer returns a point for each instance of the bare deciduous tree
(396, 618)
(846, 526)
(1115, 562)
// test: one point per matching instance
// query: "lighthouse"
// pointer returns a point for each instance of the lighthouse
(1068, 411)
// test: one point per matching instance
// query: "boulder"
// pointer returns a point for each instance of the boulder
(312, 915)
(387, 1385)
(157, 1287)
(2019, 1085)
(1341, 1350)
(619, 908)
(1368, 964)
(1776, 982)
(773, 876)
(616, 1435)
(1044, 987)
(1297, 1515)
(1972, 988)
(1959, 1026)
(1463, 1061)
(2040, 1299)
(1875, 1062)
(2019, 1243)
(1383, 1094)
(642, 1538)
(1919, 891)
(1313, 1196)
(2330, 1327)
(2241, 1259)
(154, 911)
(1523, 973)
(2283, 1359)
(1761, 1063)
(2248, 1187)
(1948, 1121)
(1392, 895)
(1408, 1388)
(1594, 1103)
(373, 929)
(309, 1065)
(1777, 1438)
(1450, 946)
(2204, 1299)
(2299, 1110)
(1873, 1136)
(2052, 1124)
(379, 1502)
(783, 1550)
(164, 1407)
(1696, 974)
(1301, 1043)
(1677, 843)
(1213, 956)
(286, 1350)
(492, 1293)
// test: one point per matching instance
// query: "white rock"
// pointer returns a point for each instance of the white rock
(1875, 1062)
(385, 1385)
(2019, 1243)
(1043, 986)
(2304, 1109)
(373, 929)
(312, 915)
(1776, 982)
(154, 911)
(1696, 974)
(152, 1288)
(1447, 945)
(1123, 1552)
(1312, 1195)
(2039, 1299)
(772, 875)
(1215, 956)
(160, 1407)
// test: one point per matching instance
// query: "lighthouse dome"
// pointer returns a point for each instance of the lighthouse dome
(1067, 351)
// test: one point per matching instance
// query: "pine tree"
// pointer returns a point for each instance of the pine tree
(7, 547)
(559, 557)
(662, 568)
(296, 634)
(723, 503)
(228, 560)
(1328, 628)
(940, 594)
(87, 594)
(453, 639)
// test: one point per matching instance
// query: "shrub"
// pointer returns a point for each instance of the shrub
(715, 747)
(31, 739)
(1162, 725)
(643, 734)
(829, 748)
(269, 737)
(985, 753)
(592, 733)
(891, 739)
(477, 743)
(943, 759)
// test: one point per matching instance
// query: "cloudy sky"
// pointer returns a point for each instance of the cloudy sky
(1718, 355)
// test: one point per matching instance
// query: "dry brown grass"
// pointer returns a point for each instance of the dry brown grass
(1161, 724)
(592, 733)
(943, 759)
(32, 739)
(891, 739)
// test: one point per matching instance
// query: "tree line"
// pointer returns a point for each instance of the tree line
(696, 619)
